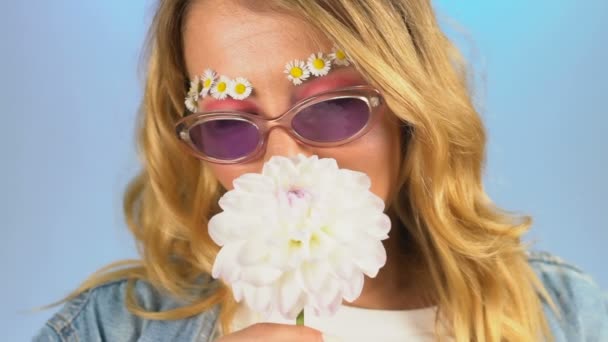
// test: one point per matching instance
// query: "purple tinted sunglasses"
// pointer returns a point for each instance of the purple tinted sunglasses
(327, 119)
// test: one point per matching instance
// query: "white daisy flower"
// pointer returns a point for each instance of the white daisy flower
(191, 104)
(191, 100)
(318, 64)
(219, 89)
(195, 87)
(240, 88)
(374, 101)
(301, 234)
(297, 71)
(207, 80)
(338, 56)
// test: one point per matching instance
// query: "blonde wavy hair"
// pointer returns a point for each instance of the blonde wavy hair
(483, 284)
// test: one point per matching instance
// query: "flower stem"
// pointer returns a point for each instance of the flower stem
(300, 318)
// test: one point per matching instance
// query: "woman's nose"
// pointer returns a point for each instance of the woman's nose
(281, 143)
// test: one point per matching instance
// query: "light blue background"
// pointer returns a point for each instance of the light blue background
(69, 90)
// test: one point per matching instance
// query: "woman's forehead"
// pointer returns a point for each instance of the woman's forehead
(261, 47)
(253, 44)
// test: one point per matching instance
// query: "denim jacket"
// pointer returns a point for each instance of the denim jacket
(100, 315)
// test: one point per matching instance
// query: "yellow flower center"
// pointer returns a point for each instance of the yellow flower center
(207, 83)
(296, 72)
(318, 63)
(240, 88)
(221, 87)
(295, 243)
(340, 54)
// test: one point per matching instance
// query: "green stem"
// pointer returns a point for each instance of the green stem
(300, 318)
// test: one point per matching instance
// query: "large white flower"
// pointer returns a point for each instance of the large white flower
(301, 234)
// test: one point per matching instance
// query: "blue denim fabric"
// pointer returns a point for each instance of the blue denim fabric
(100, 315)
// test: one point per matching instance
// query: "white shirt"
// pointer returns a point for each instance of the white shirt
(352, 324)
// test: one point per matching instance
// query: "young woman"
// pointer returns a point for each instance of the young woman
(456, 266)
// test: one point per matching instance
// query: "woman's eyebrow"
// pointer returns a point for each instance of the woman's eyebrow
(230, 104)
(333, 80)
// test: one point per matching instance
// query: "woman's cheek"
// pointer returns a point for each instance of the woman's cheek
(225, 174)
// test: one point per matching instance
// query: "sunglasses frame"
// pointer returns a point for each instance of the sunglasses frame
(370, 95)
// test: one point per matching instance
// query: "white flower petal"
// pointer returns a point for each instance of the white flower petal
(314, 275)
(334, 304)
(353, 287)
(254, 183)
(375, 257)
(343, 265)
(289, 294)
(355, 179)
(280, 169)
(242, 201)
(341, 230)
(296, 307)
(328, 292)
(237, 291)
(224, 261)
(224, 229)
(258, 298)
(253, 252)
(379, 227)
(278, 256)
(260, 275)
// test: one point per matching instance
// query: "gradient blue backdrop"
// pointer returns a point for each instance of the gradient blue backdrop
(69, 90)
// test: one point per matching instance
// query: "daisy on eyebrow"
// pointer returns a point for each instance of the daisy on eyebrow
(318, 64)
(207, 80)
(220, 89)
(191, 100)
(338, 56)
(191, 104)
(240, 88)
(297, 71)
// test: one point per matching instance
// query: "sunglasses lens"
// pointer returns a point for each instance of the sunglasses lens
(332, 120)
(225, 139)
